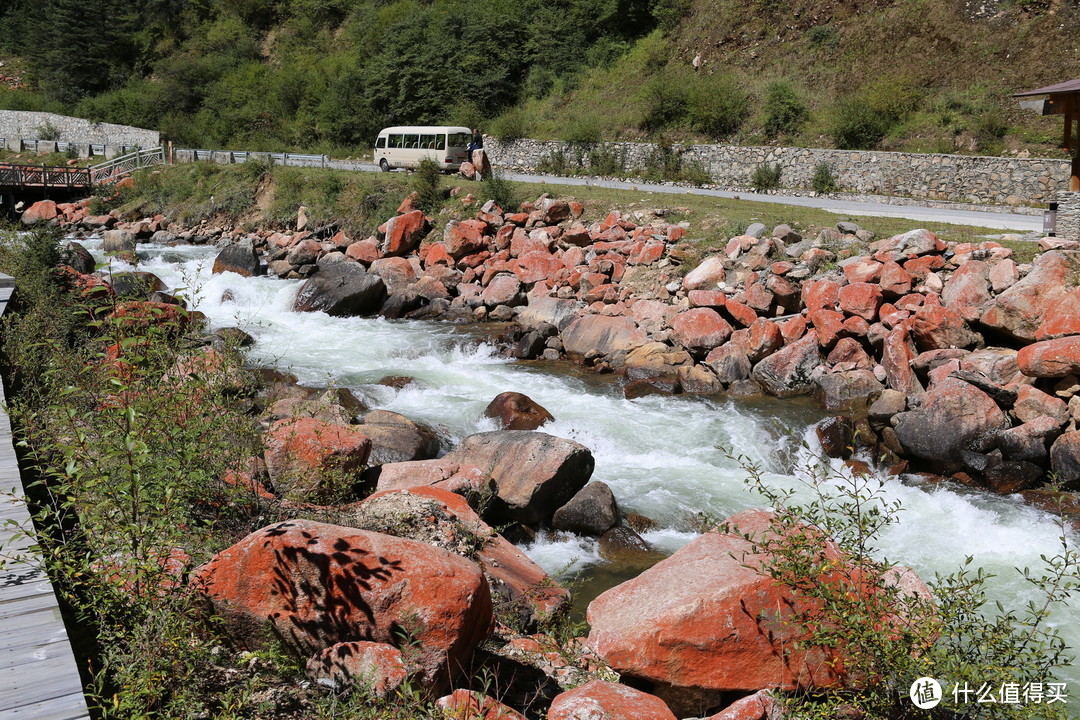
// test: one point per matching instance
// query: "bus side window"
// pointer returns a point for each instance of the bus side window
(414, 141)
(440, 142)
(427, 142)
(381, 142)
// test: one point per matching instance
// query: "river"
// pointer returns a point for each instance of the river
(664, 457)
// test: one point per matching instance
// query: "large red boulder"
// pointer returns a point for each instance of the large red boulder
(952, 418)
(708, 620)
(607, 700)
(700, 329)
(1019, 311)
(402, 233)
(311, 585)
(314, 460)
(968, 289)
(379, 669)
(41, 211)
(861, 299)
(897, 355)
(1051, 358)
(821, 294)
(935, 328)
(535, 474)
(535, 266)
(706, 275)
(464, 238)
(759, 706)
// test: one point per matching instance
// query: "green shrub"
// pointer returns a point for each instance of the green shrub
(607, 160)
(427, 184)
(668, 13)
(717, 106)
(856, 126)
(666, 101)
(823, 181)
(784, 110)
(766, 177)
(582, 130)
(823, 36)
(511, 125)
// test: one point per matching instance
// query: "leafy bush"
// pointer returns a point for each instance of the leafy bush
(427, 184)
(784, 110)
(505, 193)
(607, 160)
(766, 177)
(823, 180)
(856, 126)
(668, 13)
(582, 130)
(666, 101)
(887, 638)
(717, 105)
(823, 36)
(511, 125)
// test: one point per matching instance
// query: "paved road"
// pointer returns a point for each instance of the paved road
(998, 220)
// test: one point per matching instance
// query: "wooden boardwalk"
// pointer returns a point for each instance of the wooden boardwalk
(38, 676)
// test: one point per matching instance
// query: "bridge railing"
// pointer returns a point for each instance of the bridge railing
(232, 157)
(120, 167)
(41, 176)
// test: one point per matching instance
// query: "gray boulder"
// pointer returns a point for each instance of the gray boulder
(341, 290)
(593, 511)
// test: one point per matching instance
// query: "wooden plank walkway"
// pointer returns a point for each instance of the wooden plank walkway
(38, 676)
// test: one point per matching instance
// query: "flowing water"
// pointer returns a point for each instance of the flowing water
(664, 457)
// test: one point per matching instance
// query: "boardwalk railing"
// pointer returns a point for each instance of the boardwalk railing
(232, 157)
(118, 168)
(41, 176)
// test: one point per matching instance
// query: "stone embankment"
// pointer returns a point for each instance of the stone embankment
(949, 359)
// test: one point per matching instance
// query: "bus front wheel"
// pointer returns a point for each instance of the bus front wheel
(384, 166)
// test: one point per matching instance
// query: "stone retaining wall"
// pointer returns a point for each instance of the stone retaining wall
(1068, 215)
(89, 138)
(975, 179)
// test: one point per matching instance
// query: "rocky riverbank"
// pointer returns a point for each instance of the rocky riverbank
(895, 333)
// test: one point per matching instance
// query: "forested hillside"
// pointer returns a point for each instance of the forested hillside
(325, 75)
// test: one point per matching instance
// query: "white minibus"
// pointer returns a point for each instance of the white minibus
(406, 146)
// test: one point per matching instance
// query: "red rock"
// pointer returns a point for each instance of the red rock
(1020, 310)
(861, 270)
(897, 355)
(759, 298)
(1050, 358)
(610, 701)
(920, 267)
(862, 299)
(786, 294)
(675, 233)
(730, 362)
(304, 252)
(707, 620)
(402, 233)
(311, 459)
(522, 243)
(364, 251)
(312, 585)
(828, 324)
(443, 474)
(793, 329)
(41, 211)
(536, 266)
(1065, 458)
(706, 275)
(759, 706)
(700, 329)
(968, 289)
(471, 705)
(856, 326)
(740, 313)
(821, 294)
(707, 298)
(1032, 403)
(911, 303)
(516, 411)
(649, 253)
(1003, 274)
(1062, 318)
(377, 668)
(502, 290)
(781, 268)
(465, 237)
(475, 260)
(934, 328)
(894, 281)
(436, 255)
(764, 338)
(849, 351)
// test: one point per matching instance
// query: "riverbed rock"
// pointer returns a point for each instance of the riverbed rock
(42, 211)
(1062, 318)
(935, 327)
(376, 668)
(437, 517)
(402, 233)
(759, 706)
(341, 290)
(313, 460)
(517, 411)
(607, 700)
(1065, 459)
(601, 336)
(396, 438)
(699, 330)
(1018, 312)
(1050, 358)
(954, 416)
(968, 289)
(78, 257)
(117, 241)
(551, 310)
(730, 362)
(592, 511)
(312, 585)
(706, 275)
(535, 473)
(787, 372)
(848, 391)
(136, 284)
